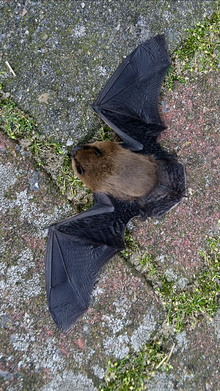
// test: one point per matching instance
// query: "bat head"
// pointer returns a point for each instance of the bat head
(93, 162)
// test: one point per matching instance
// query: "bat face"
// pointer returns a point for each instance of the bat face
(93, 162)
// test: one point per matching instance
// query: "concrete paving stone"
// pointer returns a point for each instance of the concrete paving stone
(62, 52)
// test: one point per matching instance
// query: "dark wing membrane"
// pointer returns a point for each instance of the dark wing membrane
(77, 248)
(129, 101)
(71, 270)
(169, 192)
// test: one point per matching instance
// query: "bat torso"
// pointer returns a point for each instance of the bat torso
(118, 172)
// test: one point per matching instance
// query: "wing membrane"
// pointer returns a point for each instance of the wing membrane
(129, 101)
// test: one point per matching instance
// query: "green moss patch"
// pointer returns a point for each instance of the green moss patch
(199, 53)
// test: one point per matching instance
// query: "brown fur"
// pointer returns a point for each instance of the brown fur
(119, 172)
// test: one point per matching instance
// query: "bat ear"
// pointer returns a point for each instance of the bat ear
(74, 152)
(98, 151)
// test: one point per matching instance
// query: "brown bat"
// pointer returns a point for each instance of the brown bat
(133, 178)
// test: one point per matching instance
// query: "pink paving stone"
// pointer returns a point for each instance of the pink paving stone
(192, 131)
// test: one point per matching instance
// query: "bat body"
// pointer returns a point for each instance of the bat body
(134, 178)
(115, 170)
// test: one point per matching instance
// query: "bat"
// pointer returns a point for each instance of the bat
(133, 178)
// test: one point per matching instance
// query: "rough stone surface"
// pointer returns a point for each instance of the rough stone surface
(62, 53)
(69, 382)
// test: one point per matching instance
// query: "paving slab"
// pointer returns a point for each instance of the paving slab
(193, 132)
(62, 52)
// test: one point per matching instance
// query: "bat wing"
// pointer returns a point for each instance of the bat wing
(77, 249)
(129, 101)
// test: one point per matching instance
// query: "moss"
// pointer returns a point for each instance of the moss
(131, 246)
(18, 126)
(132, 372)
(199, 53)
(14, 123)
